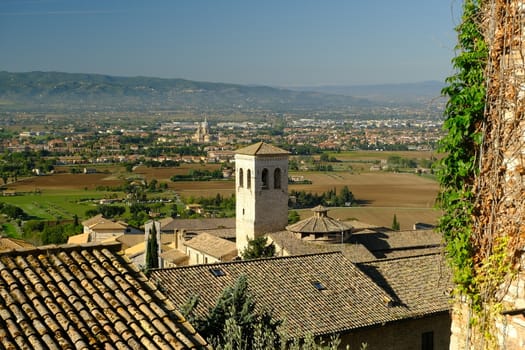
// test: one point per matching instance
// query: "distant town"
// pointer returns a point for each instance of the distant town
(95, 139)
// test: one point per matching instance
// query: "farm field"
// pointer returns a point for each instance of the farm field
(381, 195)
(52, 204)
(378, 155)
(375, 189)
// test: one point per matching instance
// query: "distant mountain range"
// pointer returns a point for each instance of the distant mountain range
(55, 91)
(407, 93)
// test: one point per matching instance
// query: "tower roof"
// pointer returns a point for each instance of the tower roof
(261, 148)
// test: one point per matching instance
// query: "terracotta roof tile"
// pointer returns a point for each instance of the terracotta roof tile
(84, 297)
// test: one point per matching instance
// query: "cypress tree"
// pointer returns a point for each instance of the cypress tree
(395, 224)
(152, 249)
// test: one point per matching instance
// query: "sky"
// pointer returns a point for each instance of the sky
(265, 42)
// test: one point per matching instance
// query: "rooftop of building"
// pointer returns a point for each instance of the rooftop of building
(84, 297)
(261, 149)
(318, 293)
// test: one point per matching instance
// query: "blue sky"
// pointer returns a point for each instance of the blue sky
(266, 42)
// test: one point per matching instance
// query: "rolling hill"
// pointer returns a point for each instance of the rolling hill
(55, 91)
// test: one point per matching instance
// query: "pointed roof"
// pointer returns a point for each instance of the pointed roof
(320, 222)
(261, 149)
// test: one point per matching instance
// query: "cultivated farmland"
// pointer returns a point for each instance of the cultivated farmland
(380, 194)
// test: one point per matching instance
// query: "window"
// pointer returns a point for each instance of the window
(217, 272)
(265, 179)
(277, 178)
(248, 179)
(241, 179)
(318, 285)
(427, 341)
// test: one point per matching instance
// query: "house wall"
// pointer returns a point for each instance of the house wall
(197, 257)
(406, 335)
(100, 235)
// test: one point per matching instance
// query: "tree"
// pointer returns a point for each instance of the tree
(346, 197)
(152, 249)
(395, 224)
(234, 323)
(174, 210)
(293, 217)
(258, 248)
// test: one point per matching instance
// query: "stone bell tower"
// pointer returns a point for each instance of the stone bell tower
(261, 189)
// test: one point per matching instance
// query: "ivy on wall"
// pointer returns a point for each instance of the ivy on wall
(482, 174)
(464, 115)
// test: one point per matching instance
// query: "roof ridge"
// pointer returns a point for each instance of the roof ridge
(289, 257)
(399, 258)
(261, 143)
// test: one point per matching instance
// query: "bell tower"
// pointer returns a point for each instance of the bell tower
(261, 190)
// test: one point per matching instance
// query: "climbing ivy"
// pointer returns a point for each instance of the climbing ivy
(464, 115)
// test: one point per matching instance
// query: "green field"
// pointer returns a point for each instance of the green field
(55, 204)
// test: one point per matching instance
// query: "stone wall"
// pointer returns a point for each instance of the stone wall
(406, 335)
(509, 328)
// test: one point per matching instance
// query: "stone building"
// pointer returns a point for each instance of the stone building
(261, 189)
(389, 304)
(202, 134)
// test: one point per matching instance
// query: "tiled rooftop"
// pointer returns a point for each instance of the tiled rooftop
(381, 243)
(197, 224)
(286, 241)
(287, 286)
(261, 148)
(320, 222)
(84, 297)
(422, 283)
(8, 243)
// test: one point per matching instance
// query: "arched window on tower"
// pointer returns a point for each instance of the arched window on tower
(265, 179)
(277, 178)
(248, 179)
(241, 178)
